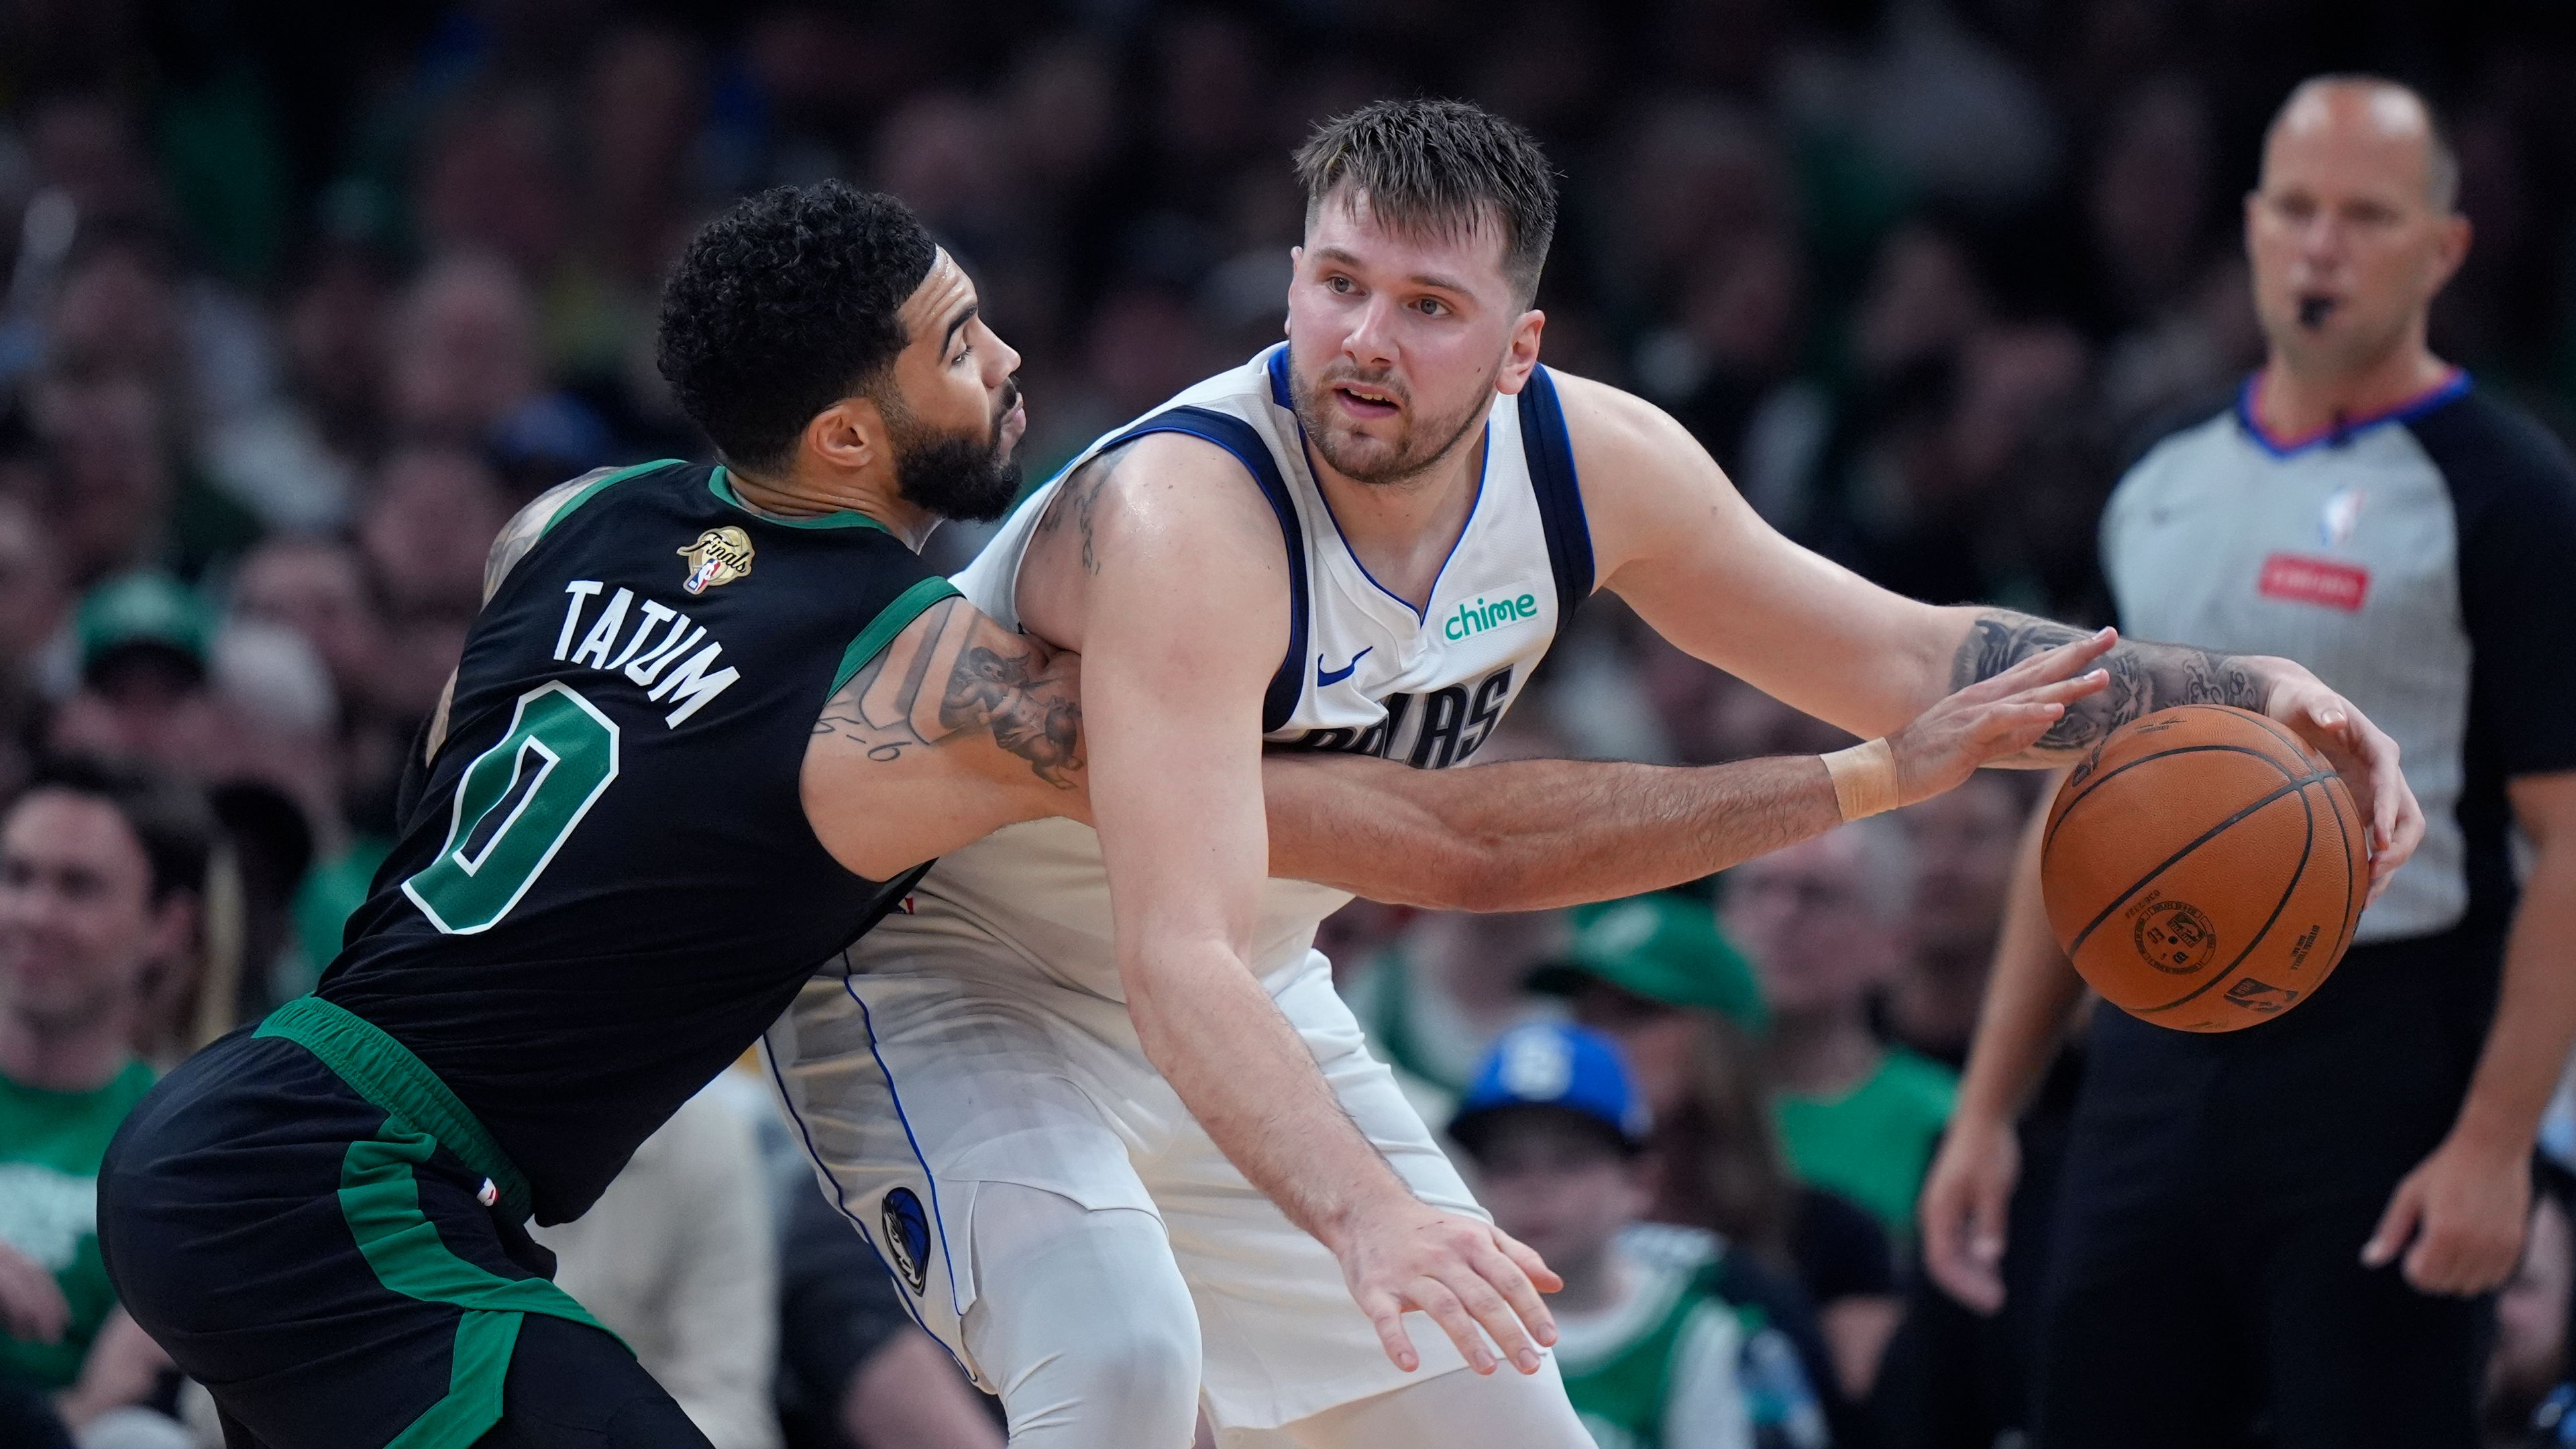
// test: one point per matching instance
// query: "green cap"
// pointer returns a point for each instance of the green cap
(1663, 947)
(144, 609)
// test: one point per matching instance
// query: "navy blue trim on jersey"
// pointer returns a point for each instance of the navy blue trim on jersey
(1559, 493)
(1278, 369)
(1421, 615)
(2407, 411)
(1237, 437)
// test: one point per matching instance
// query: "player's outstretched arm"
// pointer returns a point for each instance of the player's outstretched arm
(958, 728)
(1533, 834)
(1672, 537)
(2146, 677)
(1165, 568)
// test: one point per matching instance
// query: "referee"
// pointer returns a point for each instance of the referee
(2285, 1234)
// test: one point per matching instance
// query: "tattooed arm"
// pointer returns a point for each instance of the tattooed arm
(959, 728)
(2144, 678)
(1673, 539)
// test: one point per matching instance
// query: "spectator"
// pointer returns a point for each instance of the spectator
(2531, 1382)
(854, 1371)
(1438, 996)
(1962, 844)
(101, 872)
(145, 647)
(117, 494)
(435, 511)
(1820, 922)
(1649, 1354)
(1654, 974)
(677, 1258)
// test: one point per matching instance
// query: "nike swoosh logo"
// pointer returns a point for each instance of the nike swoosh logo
(1328, 677)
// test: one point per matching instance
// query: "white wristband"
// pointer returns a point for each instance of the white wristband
(1864, 778)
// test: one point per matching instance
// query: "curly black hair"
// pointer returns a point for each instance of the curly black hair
(782, 307)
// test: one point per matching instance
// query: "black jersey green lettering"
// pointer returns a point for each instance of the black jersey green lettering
(606, 886)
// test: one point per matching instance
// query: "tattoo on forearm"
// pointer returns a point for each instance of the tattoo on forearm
(1075, 503)
(963, 674)
(2144, 677)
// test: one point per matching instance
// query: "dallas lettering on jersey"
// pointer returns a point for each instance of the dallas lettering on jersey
(655, 653)
(1454, 723)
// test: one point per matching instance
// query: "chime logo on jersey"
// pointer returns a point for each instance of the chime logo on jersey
(720, 556)
(1476, 618)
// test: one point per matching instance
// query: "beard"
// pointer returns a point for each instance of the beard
(963, 477)
(1364, 459)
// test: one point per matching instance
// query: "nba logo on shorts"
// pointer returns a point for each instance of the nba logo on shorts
(907, 1238)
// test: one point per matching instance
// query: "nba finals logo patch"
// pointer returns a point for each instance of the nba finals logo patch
(720, 556)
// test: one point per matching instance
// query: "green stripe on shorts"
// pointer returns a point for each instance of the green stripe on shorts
(380, 1199)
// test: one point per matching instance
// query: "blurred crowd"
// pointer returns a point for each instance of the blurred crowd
(304, 300)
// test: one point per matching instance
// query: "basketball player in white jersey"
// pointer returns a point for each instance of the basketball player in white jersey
(1094, 1098)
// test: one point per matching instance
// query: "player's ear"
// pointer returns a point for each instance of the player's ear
(849, 436)
(1522, 352)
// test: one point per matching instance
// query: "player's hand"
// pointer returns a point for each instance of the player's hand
(1966, 1196)
(1462, 1271)
(2458, 1218)
(32, 1306)
(2361, 753)
(1995, 718)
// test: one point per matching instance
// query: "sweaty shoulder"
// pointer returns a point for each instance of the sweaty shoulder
(1167, 506)
(1616, 429)
(1646, 479)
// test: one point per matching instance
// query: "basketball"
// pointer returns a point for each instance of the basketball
(2204, 868)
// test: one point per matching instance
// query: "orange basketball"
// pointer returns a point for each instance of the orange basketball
(2204, 868)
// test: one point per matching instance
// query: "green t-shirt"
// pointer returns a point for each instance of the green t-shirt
(51, 1144)
(1873, 1143)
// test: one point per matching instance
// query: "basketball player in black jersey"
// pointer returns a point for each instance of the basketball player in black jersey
(710, 724)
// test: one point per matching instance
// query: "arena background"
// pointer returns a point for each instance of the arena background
(304, 298)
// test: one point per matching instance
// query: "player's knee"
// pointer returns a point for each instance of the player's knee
(1045, 1266)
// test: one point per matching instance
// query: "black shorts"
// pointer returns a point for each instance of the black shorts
(2207, 1287)
(337, 1254)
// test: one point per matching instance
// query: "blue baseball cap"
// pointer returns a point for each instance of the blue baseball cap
(1559, 1065)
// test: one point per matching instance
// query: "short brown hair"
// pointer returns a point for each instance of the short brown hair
(170, 819)
(1443, 169)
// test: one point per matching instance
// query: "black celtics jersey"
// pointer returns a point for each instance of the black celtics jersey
(607, 888)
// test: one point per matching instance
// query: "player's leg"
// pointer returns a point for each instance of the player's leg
(1032, 1252)
(328, 1270)
(1082, 1322)
(1504, 1410)
(572, 1386)
(1285, 1347)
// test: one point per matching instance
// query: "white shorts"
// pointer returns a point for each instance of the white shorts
(945, 1066)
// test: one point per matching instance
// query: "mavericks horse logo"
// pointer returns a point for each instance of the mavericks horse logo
(907, 1238)
(720, 556)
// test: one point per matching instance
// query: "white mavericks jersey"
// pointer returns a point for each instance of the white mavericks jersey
(1364, 671)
